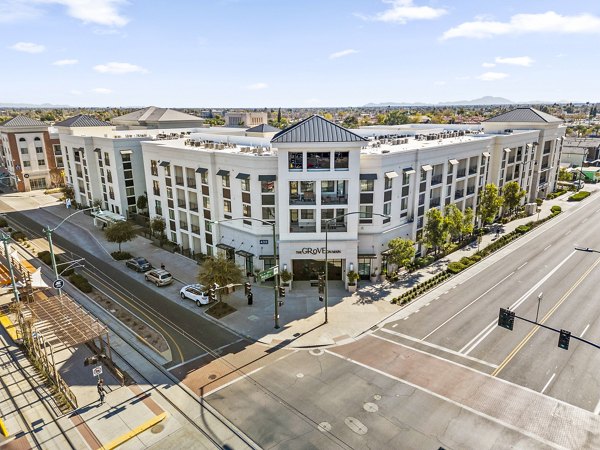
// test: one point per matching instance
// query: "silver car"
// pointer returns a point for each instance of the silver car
(159, 277)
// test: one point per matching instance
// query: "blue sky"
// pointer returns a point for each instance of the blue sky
(271, 53)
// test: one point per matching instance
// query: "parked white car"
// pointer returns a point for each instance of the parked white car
(195, 293)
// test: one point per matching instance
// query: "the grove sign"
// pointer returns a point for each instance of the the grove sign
(315, 251)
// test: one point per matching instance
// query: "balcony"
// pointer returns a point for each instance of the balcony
(191, 182)
(437, 179)
(334, 227)
(459, 194)
(333, 199)
(179, 181)
(305, 198)
(306, 227)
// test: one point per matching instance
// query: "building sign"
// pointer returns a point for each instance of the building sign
(315, 251)
(264, 241)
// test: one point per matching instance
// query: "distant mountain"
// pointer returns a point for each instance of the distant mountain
(487, 100)
(32, 105)
(384, 104)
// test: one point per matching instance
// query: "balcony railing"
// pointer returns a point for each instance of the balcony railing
(307, 198)
(334, 227)
(437, 179)
(307, 227)
(334, 199)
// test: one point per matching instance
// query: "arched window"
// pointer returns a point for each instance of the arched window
(22, 140)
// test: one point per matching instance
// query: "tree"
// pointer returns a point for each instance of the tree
(158, 225)
(467, 227)
(435, 233)
(219, 270)
(454, 221)
(489, 204)
(401, 251)
(350, 122)
(142, 202)
(513, 194)
(564, 175)
(279, 116)
(120, 232)
(396, 117)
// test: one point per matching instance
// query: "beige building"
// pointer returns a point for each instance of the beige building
(154, 118)
(245, 119)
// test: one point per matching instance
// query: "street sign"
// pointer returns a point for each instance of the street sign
(97, 371)
(58, 283)
(269, 273)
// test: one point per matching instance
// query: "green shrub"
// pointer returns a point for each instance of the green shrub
(475, 257)
(556, 209)
(18, 235)
(81, 283)
(466, 261)
(3, 222)
(455, 267)
(45, 257)
(579, 196)
(539, 201)
(120, 256)
(522, 229)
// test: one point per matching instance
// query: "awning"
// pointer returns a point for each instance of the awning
(507, 150)
(242, 176)
(486, 154)
(126, 152)
(453, 161)
(529, 145)
(223, 173)
(164, 163)
(99, 149)
(225, 246)
(368, 176)
(426, 168)
(267, 177)
(266, 257)
(367, 255)
(391, 174)
(201, 170)
(409, 170)
(244, 253)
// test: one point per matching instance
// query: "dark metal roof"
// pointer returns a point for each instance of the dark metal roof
(222, 173)
(164, 163)
(201, 170)
(23, 121)
(262, 128)
(82, 120)
(524, 115)
(267, 177)
(368, 176)
(244, 253)
(242, 176)
(316, 129)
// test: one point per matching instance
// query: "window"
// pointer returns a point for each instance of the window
(57, 150)
(295, 161)
(106, 159)
(328, 186)
(111, 193)
(26, 163)
(267, 186)
(367, 185)
(340, 161)
(246, 210)
(387, 209)
(307, 214)
(206, 203)
(318, 160)
(156, 187)
(268, 213)
(24, 150)
(204, 177)
(388, 183)
(245, 184)
(41, 162)
(109, 176)
(225, 180)
(227, 206)
(366, 214)
(129, 191)
(154, 167)
(39, 149)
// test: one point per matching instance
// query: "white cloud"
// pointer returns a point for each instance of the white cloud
(100, 12)
(75, 92)
(488, 65)
(119, 68)
(439, 83)
(524, 61)
(492, 76)
(101, 91)
(342, 53)
(65, 62)
(257, 86)
(28, 47)
(548, 22)
(402, 11)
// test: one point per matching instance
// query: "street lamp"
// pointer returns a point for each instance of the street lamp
(327, 222)
(540, 295)
(4, 237)
(276, 287)
(48, 231)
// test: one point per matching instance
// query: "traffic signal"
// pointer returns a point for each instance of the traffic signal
(563, 339)
(321, 284)
(506, 319)
(247, 288)
(281, 292)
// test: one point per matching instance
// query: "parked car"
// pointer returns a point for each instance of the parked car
(159, 277)
(196, 293)
(138, 264)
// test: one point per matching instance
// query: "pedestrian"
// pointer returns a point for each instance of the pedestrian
(101, 390)
(162, 266)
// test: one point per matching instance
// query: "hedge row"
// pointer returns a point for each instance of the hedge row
(81, 283)
(421, 288)
(556, 194)
(47, 259)
(120, 256)
(579, 196)
(18, 236)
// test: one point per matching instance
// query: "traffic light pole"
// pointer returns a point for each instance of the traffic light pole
(561, 332)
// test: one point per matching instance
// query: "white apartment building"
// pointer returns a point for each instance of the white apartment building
(315, 171)
(245, 119)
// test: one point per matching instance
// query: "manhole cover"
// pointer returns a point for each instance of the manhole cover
(356, 425)
(157, 428)
(370, 407)
(324, 427)
(377, 397)
(299, 375)
(316, 352)
(212, 376)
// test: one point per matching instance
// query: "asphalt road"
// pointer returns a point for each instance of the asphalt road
(188, 335)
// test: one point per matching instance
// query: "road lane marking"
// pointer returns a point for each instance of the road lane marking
(211, 353)
(487, 330)
(548, 383)
(429, 344)
(584, 330)
(526, 339)
(547, 247)
(522, 265)
(448, 320)
(417, 311)
(567, 233)
(597, 408)
(229, 383)
(406, 317)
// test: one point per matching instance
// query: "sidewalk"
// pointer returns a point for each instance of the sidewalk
(302, 316)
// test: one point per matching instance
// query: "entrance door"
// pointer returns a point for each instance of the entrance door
(310, 269)
(364, 268)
